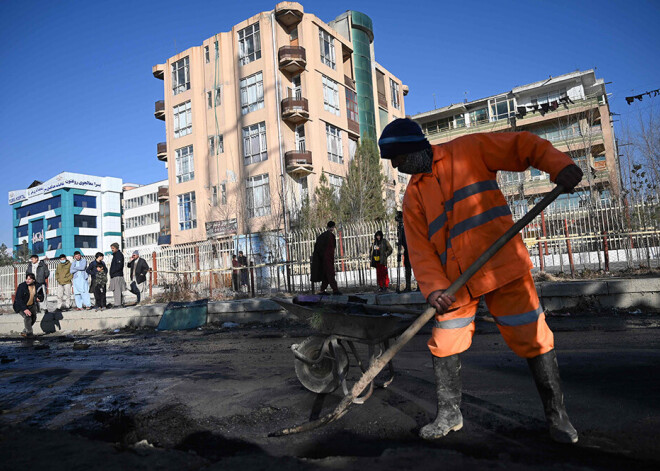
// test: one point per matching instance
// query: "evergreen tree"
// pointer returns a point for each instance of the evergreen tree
(23, 252)
(362, 191)
(5, 256)
(326, 207)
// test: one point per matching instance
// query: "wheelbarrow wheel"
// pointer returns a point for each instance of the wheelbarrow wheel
(320, 378)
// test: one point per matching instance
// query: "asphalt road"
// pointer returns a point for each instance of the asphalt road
(140, 399)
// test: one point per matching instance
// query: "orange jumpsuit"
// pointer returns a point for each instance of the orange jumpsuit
(452, 215)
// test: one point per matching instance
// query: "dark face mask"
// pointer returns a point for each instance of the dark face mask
(417, 162)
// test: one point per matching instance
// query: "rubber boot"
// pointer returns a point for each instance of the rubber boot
(448, 388)
(546, 376)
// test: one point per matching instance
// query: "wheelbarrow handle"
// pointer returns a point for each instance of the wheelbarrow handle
(410, 332)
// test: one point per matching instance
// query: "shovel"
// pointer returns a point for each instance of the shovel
(410, 332)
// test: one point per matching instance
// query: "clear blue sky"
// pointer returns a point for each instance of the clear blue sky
(79, 94)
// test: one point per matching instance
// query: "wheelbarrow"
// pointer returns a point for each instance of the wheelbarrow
(322, 362)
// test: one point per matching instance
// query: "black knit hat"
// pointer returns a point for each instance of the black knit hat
(401, 136)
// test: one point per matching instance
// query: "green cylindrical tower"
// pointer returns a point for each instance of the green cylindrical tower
(362, 36)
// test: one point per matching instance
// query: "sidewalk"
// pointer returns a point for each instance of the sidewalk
(637, 294)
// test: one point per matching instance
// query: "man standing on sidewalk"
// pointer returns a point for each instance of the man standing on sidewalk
(64, 278)
(80, 287)
(117, 283)
(323, 260)
(139, 270)
(40, 270)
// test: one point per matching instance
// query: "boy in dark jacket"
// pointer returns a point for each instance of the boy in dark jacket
(26, 303)
(99, 286)
(41, 273)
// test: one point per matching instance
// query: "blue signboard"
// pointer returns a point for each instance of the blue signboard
(37, 236)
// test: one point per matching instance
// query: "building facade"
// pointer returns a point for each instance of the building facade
(254, 116)
(69, 212)
(141, 216)
(570, 110)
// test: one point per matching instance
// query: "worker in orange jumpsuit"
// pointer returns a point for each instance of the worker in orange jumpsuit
(453, 211)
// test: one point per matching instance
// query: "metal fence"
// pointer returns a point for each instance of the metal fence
(590, 235)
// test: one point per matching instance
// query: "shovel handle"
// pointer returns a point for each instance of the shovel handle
(380, 363)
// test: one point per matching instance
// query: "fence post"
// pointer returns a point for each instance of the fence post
(151, 292)
(341, 250)
(211, 284)
(251, 277)
(13, 295)
(607, 252)
(570, 250)
(197, 263)
(545, 235)
(541, 257)
(154, 267)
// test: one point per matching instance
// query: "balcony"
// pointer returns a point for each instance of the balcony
(159, 71)
(161, 152)
(289, 14)
(295, 110)
(163, 194)
(159, 112)
(353, 126)
(298, 163)
(292, 59)
(349, 82)
(382, 100)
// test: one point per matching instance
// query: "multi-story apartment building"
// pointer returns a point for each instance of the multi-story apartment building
(69, 212)
(141, 216)
(570, 110)
(254, 116)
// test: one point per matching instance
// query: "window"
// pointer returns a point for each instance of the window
(55, 243)
(141, 240)
(187, 211)
(254, 143)
(182, 119)
(336, 183)
(84, 201)
(252, 93)
(548, 97)
(335, 148)
(84, 242)
(249, 44)
(511, 178)
(258, 196)
(84, 221)
(556, 132)
(22, 231)
(207, 57)
(39, 207)
(214, 195)
(53, 223)
(352, 106)
(140, 221)
(327, 49)
(210, 102)
(181, 76)
(439, 125)
(394, 89)
(538, 174)
(216, 145)
(459, 121)
(330, 95)
(223, 193)
(140, 201)
(478, 116)
(185, 164)
(502, 108)
(217, 49)
(403, 180)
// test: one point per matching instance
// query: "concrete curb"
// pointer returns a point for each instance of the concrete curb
(555, 296)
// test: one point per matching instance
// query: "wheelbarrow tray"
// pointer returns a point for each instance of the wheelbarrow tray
(355, 321)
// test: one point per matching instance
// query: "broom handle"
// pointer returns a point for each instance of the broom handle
(410, 332)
